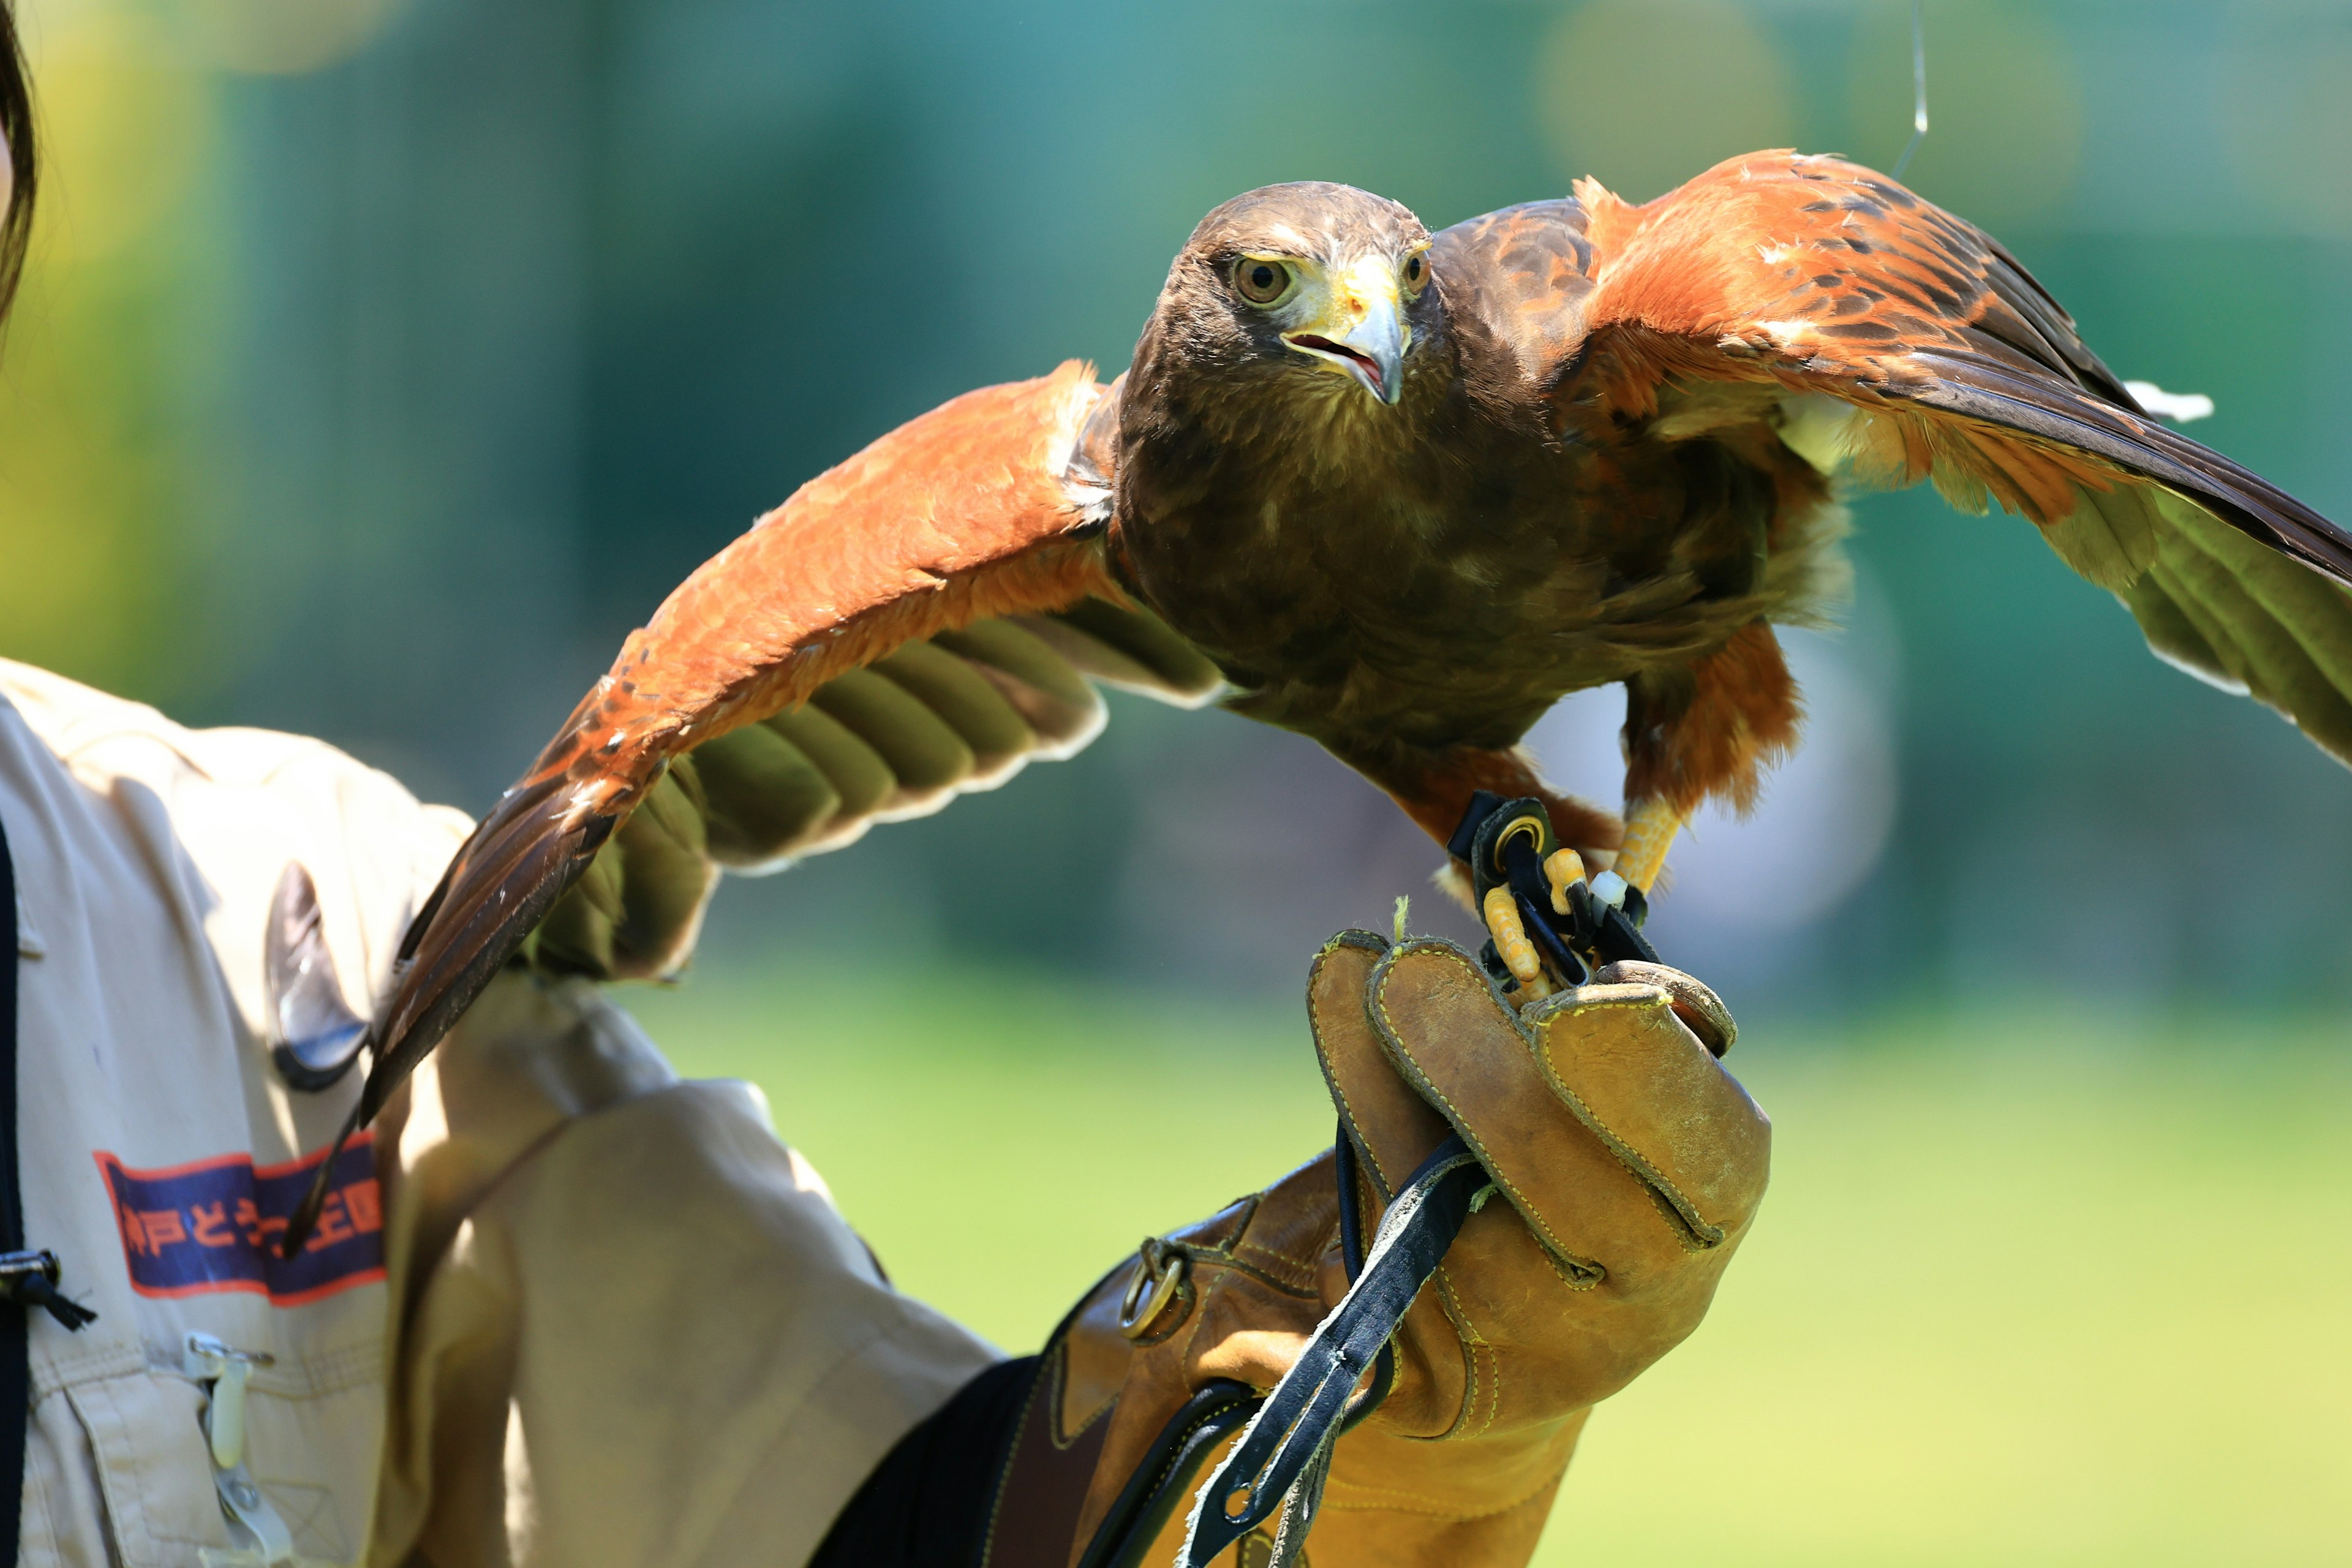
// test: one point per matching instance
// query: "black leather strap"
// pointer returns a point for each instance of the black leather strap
(1286, 1450)
(1143, 1505)
(15, 1364)
(1589, 935)
(1351, 1254)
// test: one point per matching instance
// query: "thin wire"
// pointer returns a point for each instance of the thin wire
(1919, 85)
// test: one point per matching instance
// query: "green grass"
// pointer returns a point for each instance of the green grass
(2023, 1291)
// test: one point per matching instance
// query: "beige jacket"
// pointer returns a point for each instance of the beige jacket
(592, 1315)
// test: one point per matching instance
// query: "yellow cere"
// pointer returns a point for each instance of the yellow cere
(1351, 319)
(1334, 309)
(1368, 282)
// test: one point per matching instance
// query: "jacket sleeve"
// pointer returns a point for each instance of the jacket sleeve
(620, 1321)
(631, 1325)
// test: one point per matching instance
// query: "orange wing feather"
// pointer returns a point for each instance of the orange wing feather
(957, 516)
(1813, 302)
(1813, 274)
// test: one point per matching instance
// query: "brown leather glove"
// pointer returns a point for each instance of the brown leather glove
(1632, 1164)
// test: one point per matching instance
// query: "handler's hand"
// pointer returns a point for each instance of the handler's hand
(1630, 1164)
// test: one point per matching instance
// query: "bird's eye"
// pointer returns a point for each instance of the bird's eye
(1416, 272)
(1260, 281)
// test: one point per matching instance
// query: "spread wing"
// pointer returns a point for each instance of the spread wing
(914, 623)
(935, 718)
(1875, 332)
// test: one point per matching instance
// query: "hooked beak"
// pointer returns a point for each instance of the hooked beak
(1362, 330)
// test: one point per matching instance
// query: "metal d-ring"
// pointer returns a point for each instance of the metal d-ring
(1159, 1266)
(1533, 826)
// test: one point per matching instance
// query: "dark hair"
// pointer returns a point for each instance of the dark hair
(17, 124)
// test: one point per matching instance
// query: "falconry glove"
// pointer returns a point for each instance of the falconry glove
(1625, 1165)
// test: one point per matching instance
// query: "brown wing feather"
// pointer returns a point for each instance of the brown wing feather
(956, 517)
(1800, 274)
(962, 710)
(953, 518)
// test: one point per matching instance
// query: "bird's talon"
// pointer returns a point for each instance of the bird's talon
(1511, 943)
(1563, 869)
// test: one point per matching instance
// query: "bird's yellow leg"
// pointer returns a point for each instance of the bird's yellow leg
(1649, 829)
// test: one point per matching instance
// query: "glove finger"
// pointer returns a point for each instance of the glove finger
(1620, 1056)
(1598, 1212)
(1696, 1005)
(1393, 1129)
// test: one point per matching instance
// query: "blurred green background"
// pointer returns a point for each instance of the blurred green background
(2030, 1286)
(383, 360)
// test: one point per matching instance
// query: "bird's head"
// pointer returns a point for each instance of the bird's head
(1312, 280)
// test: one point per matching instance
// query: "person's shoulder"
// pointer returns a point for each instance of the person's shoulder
(68, 716)
(75, 722)
(83, 725)
(102, 740)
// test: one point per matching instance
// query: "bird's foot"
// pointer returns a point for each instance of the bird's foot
(1549, 919)
(1533, 978)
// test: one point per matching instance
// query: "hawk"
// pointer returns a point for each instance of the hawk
(1398, 491)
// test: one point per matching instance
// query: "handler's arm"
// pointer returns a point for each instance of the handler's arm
(1629, 1163)
(625, 1324)
(631, 1327)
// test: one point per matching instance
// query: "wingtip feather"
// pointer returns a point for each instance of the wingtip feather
(520, 860)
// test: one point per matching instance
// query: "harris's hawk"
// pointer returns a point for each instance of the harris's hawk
(1400, 493)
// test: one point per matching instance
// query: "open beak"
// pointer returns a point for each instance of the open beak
(1363, 329)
